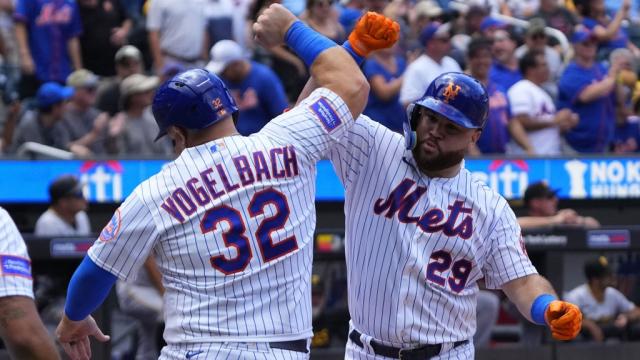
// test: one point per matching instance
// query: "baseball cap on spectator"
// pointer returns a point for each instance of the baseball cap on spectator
(581, 35)
(222, 54)
(66, 186)
(51, 93)
(128, 52)
(536, 26)
(539, 190)
(428, 8)
(136, 84)
(597, 268)
(434, 30)
(492, 23)
(82, 78)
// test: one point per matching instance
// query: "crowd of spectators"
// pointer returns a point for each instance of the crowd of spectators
(79, 75)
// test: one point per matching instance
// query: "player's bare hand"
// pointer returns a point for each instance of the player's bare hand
(74, 337)
(564, 319)
(272, 25)
(373, 32)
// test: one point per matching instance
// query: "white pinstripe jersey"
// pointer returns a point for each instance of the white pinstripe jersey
(231, 225)
(416, 246)
(15, 265)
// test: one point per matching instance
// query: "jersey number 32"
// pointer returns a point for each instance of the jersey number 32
(236, 238)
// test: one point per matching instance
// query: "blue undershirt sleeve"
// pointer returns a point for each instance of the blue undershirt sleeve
(89, 286)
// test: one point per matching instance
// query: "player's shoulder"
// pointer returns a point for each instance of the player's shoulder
(482, 192)
(159, 185)
(375, 131)
(3, 213)
(322, 103)
(5, 218)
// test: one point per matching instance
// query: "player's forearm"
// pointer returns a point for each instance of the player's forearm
(88, 288)
(334, 69)
(22, 330)
(524, 291)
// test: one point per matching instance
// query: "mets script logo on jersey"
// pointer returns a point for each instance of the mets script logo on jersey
(451, 92)
(401, 201)
(111, 230)
(326, 114)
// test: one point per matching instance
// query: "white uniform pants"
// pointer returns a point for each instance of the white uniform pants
(229, 350)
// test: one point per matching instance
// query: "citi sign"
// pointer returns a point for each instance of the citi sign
(103, 180)
(508, 177)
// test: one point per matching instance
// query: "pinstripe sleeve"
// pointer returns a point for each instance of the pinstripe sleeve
(126, 241)
(507, 257)
(350, 155)
(15, 265)
(313, 126)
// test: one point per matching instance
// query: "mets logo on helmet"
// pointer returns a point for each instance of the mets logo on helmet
(218, 107)
(451, 92)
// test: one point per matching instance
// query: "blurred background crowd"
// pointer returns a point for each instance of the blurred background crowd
(79, 76)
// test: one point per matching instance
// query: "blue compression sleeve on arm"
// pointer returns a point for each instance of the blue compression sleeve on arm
(88, 288)
(347, 46)
(306, 42)
(539, 307)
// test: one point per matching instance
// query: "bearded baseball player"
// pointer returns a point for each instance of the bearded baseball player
(231, 220)
(420, 233)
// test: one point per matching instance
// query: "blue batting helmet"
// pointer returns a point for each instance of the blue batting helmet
(194, 99)
(456, 96)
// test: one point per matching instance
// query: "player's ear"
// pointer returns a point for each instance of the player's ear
(476, 135)
(178, 138)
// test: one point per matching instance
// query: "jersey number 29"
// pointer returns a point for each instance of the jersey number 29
(235, 236)
(458, 276)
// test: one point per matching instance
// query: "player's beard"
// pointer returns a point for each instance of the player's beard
(439, 161)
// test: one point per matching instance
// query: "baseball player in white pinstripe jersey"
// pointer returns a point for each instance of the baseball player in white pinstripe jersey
(231, 220)
(20, 326)
(420, 233)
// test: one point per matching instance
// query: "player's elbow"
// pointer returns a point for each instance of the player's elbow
(359, 92)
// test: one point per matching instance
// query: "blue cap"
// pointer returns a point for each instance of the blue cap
(582, 35)
(51, 93)
(492, 23)
(433, 29)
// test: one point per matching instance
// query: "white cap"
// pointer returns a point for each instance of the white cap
(128, 52)
(223, 53)
(428, 8)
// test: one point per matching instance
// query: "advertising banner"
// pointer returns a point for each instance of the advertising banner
(111, 181)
